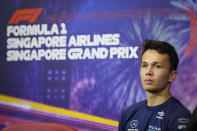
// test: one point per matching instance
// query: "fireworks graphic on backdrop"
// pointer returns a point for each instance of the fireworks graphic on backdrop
(106, 87)
(116, 83)
(186, 80)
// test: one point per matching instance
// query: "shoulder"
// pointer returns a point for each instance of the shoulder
(178, 115)
(128, 112)
(134, 107)
(176, 108)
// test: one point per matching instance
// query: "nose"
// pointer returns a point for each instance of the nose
(149, 71)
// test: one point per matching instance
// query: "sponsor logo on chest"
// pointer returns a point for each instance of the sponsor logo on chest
(153, 128)
(160, 115)
(133, 125)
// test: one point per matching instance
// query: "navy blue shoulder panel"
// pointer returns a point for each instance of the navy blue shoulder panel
(128, 113)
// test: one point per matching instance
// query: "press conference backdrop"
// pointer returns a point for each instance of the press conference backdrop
(77, 62)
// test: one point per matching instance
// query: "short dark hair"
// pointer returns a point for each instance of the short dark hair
(163, 48)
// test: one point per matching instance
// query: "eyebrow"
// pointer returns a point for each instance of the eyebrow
(154, 63)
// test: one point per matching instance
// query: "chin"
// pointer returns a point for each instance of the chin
(147, 88)
(153, 90)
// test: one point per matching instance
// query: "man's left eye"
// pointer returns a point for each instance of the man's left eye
(157, 66)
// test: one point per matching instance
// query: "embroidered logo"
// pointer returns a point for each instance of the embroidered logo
(160, 115)
(154, 128)
(183, 120)
(134, 123)
(181, 127)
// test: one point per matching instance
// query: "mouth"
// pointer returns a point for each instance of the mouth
(148, 81)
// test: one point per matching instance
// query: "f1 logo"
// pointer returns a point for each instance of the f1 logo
(29, 15)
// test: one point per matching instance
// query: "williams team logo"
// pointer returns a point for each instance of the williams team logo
(160, 115)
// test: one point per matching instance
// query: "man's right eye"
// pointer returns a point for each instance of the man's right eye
(143, 65)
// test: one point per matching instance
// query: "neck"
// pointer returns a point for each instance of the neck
(158, 98)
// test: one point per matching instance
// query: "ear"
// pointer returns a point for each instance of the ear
(173, 74)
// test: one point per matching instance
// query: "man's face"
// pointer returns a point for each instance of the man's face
(155, 71)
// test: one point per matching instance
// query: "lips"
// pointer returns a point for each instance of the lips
(148, 81)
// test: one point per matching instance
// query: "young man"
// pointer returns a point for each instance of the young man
(161, 111)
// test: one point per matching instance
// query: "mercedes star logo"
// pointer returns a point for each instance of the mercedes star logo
(134, 123)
